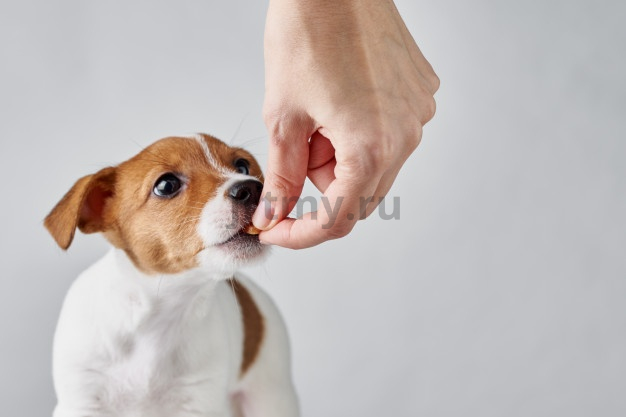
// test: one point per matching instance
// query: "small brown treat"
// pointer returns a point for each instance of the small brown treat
(251, 230)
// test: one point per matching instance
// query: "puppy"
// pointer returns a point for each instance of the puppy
(160, 327)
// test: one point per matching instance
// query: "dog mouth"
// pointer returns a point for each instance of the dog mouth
(244, 244)
(241, 236)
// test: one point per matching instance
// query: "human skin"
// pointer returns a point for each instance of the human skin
(347, 91)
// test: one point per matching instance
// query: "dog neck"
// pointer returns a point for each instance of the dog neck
(149, 298)
(145, 327)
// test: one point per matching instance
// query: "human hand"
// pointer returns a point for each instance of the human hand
(347, 94)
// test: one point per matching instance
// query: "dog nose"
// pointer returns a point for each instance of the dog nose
(246, 192)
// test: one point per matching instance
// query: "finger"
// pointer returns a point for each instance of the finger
(381, 192)
(286, 170)
(321, 150)
(323, 176)
(322, 162)
(337, 214)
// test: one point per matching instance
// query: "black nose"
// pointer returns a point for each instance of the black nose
(246, 192)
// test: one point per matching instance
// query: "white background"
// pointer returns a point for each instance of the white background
(501, 290)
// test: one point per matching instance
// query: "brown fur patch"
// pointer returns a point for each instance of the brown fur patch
(82, 207)
(159, 234)
(253, 325)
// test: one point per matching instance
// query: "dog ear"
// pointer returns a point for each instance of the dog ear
(83, 206)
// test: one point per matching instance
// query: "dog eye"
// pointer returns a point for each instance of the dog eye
(242, 166)
(168, 185)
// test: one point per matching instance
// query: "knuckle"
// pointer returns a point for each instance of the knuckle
(275, 122)
(435, 82)
(365, 164)
(382, 157)
(428, 110)
(378, 153)
(280, 184)
(414, 138)
(375, 154)
(386, 149)
(283, 124)
(271, 114)
(339, 230)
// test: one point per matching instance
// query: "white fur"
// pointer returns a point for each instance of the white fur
(134, 345)
(208, 155)
(216, 225)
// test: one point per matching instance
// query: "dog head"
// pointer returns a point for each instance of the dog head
(181, 203)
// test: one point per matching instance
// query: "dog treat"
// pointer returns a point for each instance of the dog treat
(251, 230)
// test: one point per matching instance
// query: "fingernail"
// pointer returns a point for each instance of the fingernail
(263, 215)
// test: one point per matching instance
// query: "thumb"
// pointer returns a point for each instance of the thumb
(286, 168)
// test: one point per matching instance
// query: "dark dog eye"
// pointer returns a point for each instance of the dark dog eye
(242, 166)
(168, 185)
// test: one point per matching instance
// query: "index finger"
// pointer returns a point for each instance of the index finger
(338, 211)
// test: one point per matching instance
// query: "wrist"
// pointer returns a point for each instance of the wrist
(330, 8)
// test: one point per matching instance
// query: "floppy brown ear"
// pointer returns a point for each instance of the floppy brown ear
(83, 206)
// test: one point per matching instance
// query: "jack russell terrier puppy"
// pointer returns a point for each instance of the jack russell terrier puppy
(160, 327)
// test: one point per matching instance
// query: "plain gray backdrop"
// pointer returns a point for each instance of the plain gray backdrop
(501, 289)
